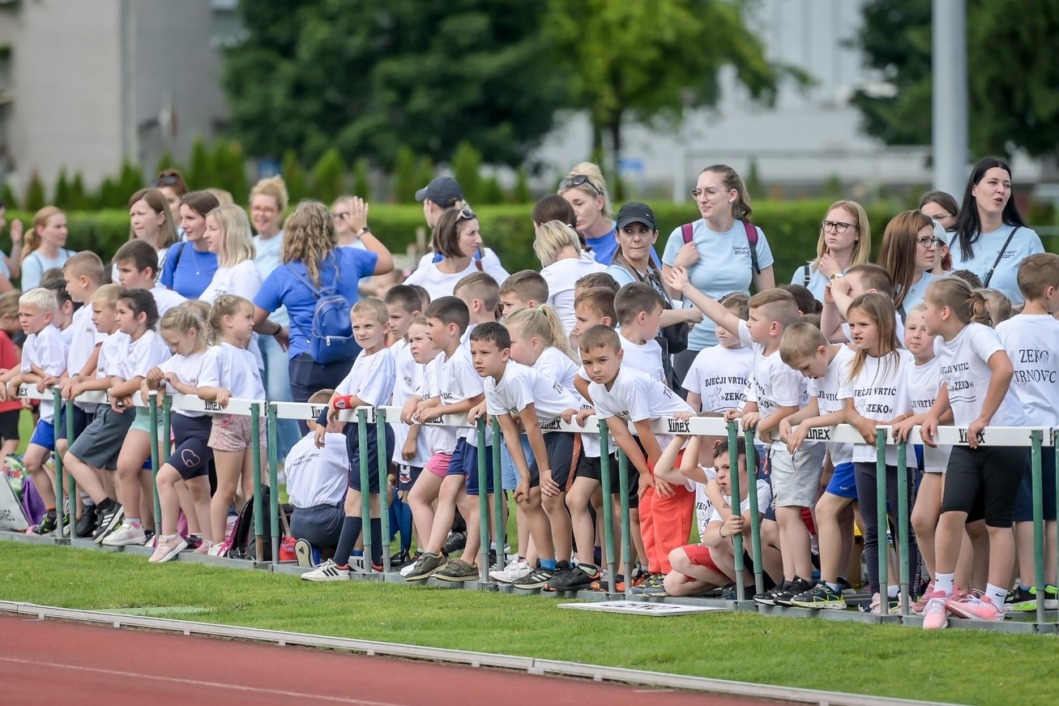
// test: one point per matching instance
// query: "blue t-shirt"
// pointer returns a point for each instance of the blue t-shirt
(285, 288)
(1005, 278)
(724, 266)
(187, 271)
(606, 246)
(817, 281)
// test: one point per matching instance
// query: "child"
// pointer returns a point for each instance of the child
(523, 290)
(875, 391)
(137, 265)
(979, 480)
(639, 310)
(185, 334)
(596, 280)
(1030, 340)
(826, 365)
(718, 377)
(457, 390)
(43, 355)
(778, 392)
(137, 316)
(10, 355)
(369, 384)
(516, 393)
(228, 371)
(593, 307)
(481, 294)
(97, 449)
(998, 306)
(843, 289)
(622, 394)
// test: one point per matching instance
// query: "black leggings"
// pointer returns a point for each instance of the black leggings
(867, 497)
(984, 482)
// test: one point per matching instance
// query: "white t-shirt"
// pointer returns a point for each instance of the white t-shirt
(317, 476)
(166, 299)
(46, 350)
(774, 384)
(408, 380)
(188, 369)
(371, 378)
(645, 357)
(965, 371)
(764, 500)
(440, 284)
(241, 279)
(702, 502)
(719, 377)
(440, 439)
(234, 369)
(558, 367)
(923, 383)
(636, 396)
(267, 258)
(83, 337)
(144, 353)
(1032, 342)
(826, 391)
(521, 386)
(562, 276)
(880, 393)
(457, 381)
(114, 350)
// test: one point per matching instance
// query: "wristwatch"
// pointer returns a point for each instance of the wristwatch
(837, 275)
(363, 230)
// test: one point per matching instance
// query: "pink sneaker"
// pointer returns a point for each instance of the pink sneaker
(167, 548)
(936, 612)
(975, 608)
(917, 606)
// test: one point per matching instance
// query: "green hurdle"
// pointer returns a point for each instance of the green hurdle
(737, 539)
(259, 519)
(152, 410)
(70, 480)
(500, 528)
(1038, 521)
(755, 516)
(60, 491)
(608, 508)
(483, 501)
(383, 459)
(626, 537)
(365, 496)
(903, 522)
(273, 477)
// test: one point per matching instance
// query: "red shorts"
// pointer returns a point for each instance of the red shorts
(699, 555)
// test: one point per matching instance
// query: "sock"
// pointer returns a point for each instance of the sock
(834, 587)
(376, 540)
(171, 536)
(548, 564)
(892, 591)
(87, 500)
(351, 527)
(944, 583)
(133, 521)
(997, 595)
(358, 552)
(1023, 586)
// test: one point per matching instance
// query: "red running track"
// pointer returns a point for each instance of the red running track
(50, 662)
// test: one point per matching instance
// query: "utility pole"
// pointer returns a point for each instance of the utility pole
(949, 131)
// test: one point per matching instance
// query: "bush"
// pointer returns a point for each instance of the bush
(329, 177)
(294, 177)
(35, 198)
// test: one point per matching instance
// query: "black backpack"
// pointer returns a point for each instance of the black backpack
(243, 546)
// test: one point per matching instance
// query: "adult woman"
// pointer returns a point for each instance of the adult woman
(991, 237)
(845, 241)
(340, 214)
(151, 220)
(908, 252)
(172, 185)
(458, 241)
(227, 235)
(190, 265)
(44, 246)
(943, 209)
(10, 267)
(586, 192)
(718, 257)
(563, 262)
(312, 260)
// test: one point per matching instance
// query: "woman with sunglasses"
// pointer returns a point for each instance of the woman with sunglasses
(458, 242)
(172, 185)
(909, 252)
(845, 241)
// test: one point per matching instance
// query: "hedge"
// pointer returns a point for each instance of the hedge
(791, 227)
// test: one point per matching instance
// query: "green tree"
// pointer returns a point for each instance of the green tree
(7, 195)
(294, 177)
(329, 177)
(79, 200)
(111, 195)
(425, 171)
(35, 197)
(1011, 68)
(466, 169)
(521, 192)
(370, 77)
(405, 176)
(165, 161)
(361, 180)
(651, 61)
(130, 180)
(228, 167)
(200, 173)
(490, 192)
(62, 190)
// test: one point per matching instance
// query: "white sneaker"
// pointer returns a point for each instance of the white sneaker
(125, 535)
(217, 549)
(328, 571)
(515, 569)
(166, 548)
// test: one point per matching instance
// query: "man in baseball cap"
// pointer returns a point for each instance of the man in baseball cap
(443, 191)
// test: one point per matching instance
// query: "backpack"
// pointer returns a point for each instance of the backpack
(688, 231)
(331, 334)
(243, 545)
(806, 275)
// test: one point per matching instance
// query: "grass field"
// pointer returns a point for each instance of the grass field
(954, 666)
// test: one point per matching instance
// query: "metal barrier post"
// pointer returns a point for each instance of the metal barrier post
(881, 523)
(273, 477)
(755, 511)
(737, 539)
(60, 489)
(152, 408)
(903, 522)
(384, 488)
(483, 502)
(167, 426)
(500, 499)
(1054, 434)
(626, 538)
(255, 459)
(1038, 522)
(608, 507)
(71, 482)
(365, 487)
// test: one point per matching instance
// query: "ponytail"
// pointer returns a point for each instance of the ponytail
(544, 323)
(967, 305)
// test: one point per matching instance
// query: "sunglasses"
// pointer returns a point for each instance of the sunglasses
(579, 180)
(168, 180)
(465, 214)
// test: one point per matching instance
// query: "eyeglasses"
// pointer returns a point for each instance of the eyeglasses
(579, 180)
(927, 242)
(838, 226)
(339, 214)
(708, 193)
(465, 214)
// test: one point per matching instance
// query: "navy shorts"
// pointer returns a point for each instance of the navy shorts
(1023, 511)
(464, 462)
(353, 449)
(842, 482)
(81, 421)
(191, 458)
(563, 450)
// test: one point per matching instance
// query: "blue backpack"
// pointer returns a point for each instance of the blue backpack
(331, 334)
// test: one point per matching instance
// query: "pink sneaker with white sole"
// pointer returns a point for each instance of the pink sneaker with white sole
(936, 612)
(975, 608)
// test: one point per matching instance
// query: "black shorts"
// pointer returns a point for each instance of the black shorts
(563, 450)
(81, 421)
(591, 468)
(353, 449)
(1024, 501)
(192, 455)
(984, 482)
(9, 424)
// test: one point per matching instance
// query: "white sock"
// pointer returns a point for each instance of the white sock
(892, 591)
(996, 595)
(944, 583)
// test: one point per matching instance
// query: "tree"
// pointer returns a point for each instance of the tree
(200, 171)
(79, 200)
(405, 182)
(35, 197)
(361, 180)
(62, 191)
(7, 197)
(372, 76)
(294, 177)
(329, 177)
(228, 167)
(650, 62)
(1011, 71)
(466, 169)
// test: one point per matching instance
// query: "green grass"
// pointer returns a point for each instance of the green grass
(955, 666)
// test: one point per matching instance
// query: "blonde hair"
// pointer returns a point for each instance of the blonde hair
(225, 305)
(274, 187)
(527, 285)
(373, 306)
(40, 220)
(237, 245)
(309, 237)
(880, 309)
(43, 299)
(107, 295)
(85, 264)
(595, 186)
(181, 319)
(862, 248)
(9, 304)
(552, 237)
(544, 323)
(777, 304)
(157, 202)
(741, 209)
(200, 309)
(800, 340)
(998, 305)
(1038, 272)
(224, 198)
(967, 305)
(481, 285)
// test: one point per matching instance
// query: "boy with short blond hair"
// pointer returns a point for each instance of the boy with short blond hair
(523, 290)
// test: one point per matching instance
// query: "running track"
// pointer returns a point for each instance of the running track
(48, 662)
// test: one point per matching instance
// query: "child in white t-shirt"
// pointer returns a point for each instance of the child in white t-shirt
(718, 377)
(639, 309)
(137, 265)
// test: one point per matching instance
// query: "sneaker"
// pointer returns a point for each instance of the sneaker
(655, 591)
(515, 569)
(769, 597)
(457, 571)
(125, 535)
(328, 571)
(917, 606)
(167, 548)
(820, 596)
(203, 548)
(537, 578)
(1021, 600)
(650, 582)
(108, 516)
(600, 584)
(574, 578)
(217, 549)
(194, 541)
(396, 560)
(1051, 597)
(846, 586)
(150, 538)
(455, 542)
(427, 566)
(304, 552)
(795, 587)
(47, 524)
(86, 525)
(975, 608)
(936, 612)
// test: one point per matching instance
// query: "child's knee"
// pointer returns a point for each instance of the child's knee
(678, 559)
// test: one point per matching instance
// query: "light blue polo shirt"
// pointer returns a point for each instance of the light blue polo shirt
(1005, 278)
